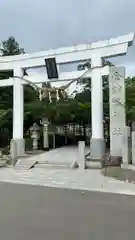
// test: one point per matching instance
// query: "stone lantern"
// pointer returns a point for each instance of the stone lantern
(45, 123)
(35, 134)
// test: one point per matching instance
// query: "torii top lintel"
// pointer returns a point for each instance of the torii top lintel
(108, 48)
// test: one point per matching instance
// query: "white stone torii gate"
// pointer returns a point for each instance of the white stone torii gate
(94, 52)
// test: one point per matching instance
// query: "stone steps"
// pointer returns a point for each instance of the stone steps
(49, 165)
(93, 164)
(66, 158)
(25, 164)
(56, 164)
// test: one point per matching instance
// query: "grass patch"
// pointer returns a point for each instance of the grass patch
(119, 174)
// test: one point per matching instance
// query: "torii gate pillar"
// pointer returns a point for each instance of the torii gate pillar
(18, 111)
(97, 144)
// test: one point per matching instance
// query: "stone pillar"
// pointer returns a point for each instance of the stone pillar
(133, 126)
(81, 155)
(18, 112)
(13, 152)
(97, 145)
(45, 137)
(133, 147)
(117, 109)
(54, 141)
(35, 134)
(35, 143)
(126, 150)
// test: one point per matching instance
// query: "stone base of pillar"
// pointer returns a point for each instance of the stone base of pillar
(46, 149)
(20, 142)
(97, 148)
(111, 161)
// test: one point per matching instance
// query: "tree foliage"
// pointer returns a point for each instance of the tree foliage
(11, 47)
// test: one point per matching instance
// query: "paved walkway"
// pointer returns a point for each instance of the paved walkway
(59, 155)
(91, 180)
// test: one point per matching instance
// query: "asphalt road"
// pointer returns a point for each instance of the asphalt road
(42, 213)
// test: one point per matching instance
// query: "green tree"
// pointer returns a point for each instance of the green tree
(12, 47)
(130, 98)
(9, 47)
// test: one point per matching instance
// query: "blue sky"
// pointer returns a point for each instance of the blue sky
(45, 24)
